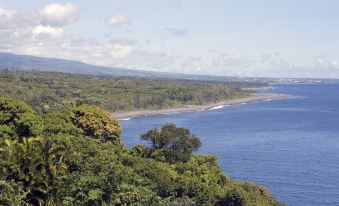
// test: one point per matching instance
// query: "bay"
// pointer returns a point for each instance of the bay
(290, 146)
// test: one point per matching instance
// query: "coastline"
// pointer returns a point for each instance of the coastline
(190, 108)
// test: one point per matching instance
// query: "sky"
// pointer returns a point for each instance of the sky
(262, 38)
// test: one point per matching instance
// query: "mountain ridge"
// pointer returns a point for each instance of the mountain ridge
(22, 62)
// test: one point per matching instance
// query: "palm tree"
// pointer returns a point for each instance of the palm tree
(39, 163)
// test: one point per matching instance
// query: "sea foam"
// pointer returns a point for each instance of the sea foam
(125, 119)
(218, 107)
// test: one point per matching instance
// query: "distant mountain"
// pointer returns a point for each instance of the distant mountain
(33, 63)
(25, 62)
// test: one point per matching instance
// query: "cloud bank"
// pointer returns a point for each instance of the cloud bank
(118, 21)
(43, 32)
(59, 14)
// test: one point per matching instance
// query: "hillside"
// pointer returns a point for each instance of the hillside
(47, 92)
(29, 63)
(11, 61)
(76, 157)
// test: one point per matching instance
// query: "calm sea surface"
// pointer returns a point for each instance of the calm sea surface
(289, 146)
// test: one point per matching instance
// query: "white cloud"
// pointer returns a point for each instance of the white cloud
(118, 21)
(230, 61)
(334, 63)
(5, 13)
(41, 30)
(320, 60)
(121, 51)
(324, 62)
(41, 33)
(59, 14)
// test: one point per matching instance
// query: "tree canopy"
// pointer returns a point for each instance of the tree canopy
(50, 92)
(171, 143)
(96, 123)
(76, 158)
(18, 120)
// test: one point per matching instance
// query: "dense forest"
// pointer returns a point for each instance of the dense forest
(76, 157)
(48, 92)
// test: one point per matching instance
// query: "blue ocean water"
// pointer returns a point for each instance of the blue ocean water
(290, 146)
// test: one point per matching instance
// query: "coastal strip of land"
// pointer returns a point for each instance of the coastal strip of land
(190, 108)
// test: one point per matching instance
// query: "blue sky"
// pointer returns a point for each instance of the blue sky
(281, 38)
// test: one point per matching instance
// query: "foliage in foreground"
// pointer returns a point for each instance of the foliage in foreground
(77, 158)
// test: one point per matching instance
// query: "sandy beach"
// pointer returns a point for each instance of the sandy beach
(189, 108)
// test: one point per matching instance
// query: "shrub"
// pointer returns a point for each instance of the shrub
(18, 120)
(95, 122)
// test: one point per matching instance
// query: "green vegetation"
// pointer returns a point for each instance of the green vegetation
(96, 123)
(50, 92)
(171, 144)
(76, 157)
(18, 120)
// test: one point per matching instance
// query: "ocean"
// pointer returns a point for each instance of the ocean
(290, 146)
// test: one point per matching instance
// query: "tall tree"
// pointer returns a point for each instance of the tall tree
(97, 123)
(18, 120)
(171, 143)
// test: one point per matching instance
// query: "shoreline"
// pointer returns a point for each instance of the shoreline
(191, 108)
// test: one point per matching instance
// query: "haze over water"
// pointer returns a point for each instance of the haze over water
(290, 146)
